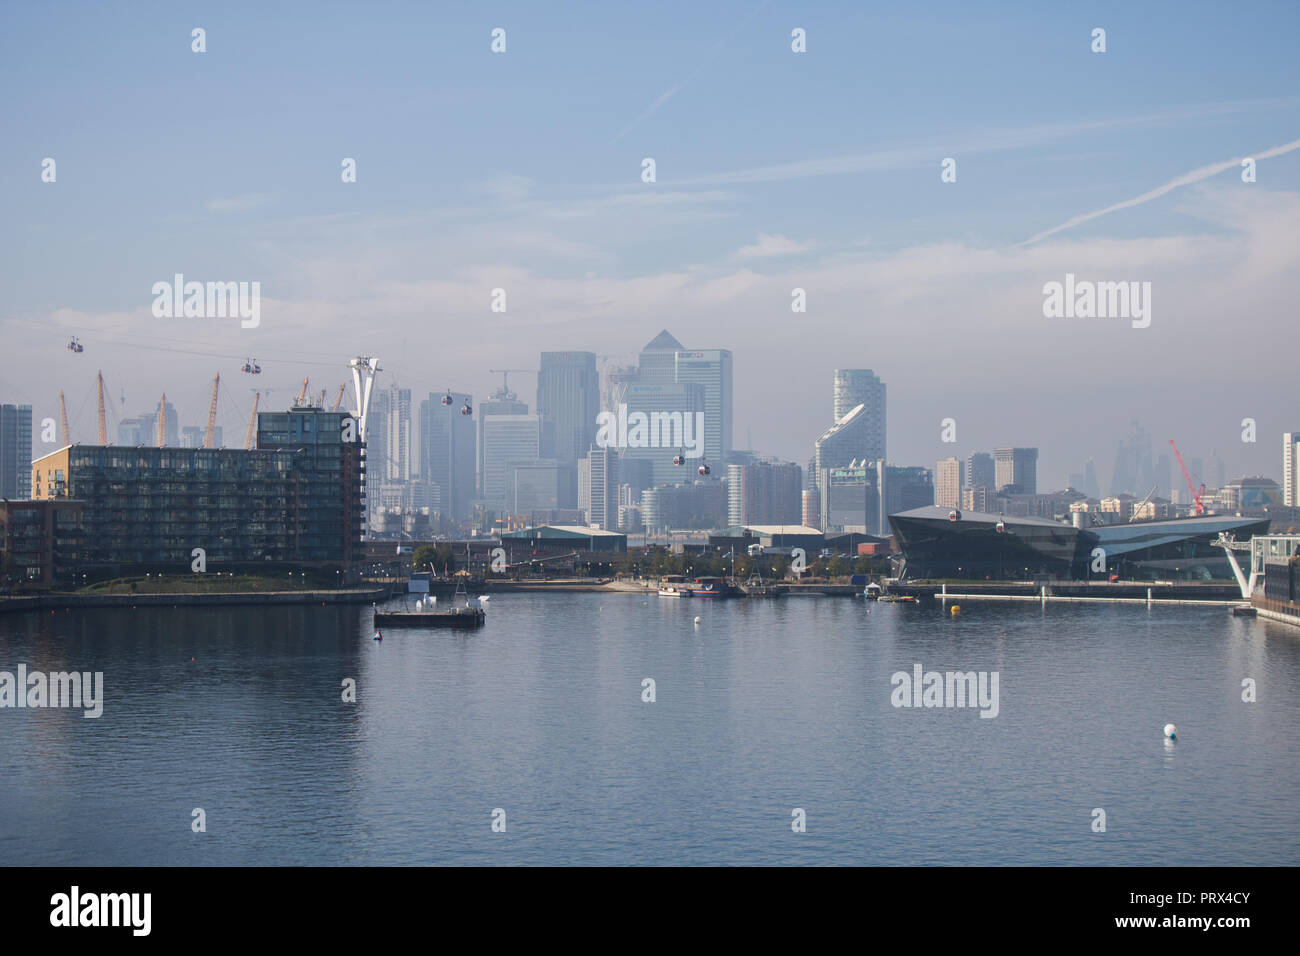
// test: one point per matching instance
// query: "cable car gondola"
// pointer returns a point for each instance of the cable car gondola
(679, 459)
(75, 346)
(704, 469)
(251, 367)
(466, 410)
(447, 399)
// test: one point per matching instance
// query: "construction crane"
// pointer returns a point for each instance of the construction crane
(103, 424)
(302, 395)
(339, 401)
(209, 436)
(63, 417)
(505, 381)
(162, 421)
(250, 437)
(1198, 508)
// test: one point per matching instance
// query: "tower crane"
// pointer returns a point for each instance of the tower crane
(1198, 508)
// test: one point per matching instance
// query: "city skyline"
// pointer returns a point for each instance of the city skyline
(936, 286)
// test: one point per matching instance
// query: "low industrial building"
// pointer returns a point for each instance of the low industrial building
(554, 539)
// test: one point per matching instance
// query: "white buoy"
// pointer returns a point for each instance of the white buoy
(697, 622)
(1171, 731)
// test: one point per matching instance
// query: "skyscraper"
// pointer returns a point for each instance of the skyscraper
(686, 402)
(664, 361)
(398, 464)
(15, 451)
(856, 436)
(1016, 470)
(949, 474)
(508, 439)
(447, 452)
(598, 487)
(861, 386)
(980, 470)
(568, 395)
(1291, 469)
(502, 402)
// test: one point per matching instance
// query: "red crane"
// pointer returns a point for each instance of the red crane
(1199, 508)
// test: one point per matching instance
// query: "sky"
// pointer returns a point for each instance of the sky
(775, 170)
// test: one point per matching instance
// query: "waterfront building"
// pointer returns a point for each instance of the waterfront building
(764, 492)
(559, 539)
(1016, 470)
(1250, 496)
(850, 498)
(949, 479)
(447, 452)
(40, 542)
(15, 451)
(938, 544)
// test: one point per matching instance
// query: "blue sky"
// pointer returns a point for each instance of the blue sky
(818, 170)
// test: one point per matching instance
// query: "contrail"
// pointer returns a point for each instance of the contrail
(1195, 176)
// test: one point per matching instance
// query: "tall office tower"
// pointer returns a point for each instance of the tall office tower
(949, 477)
(568, 395)
(507, 439)
(902, 488)
(668, 411)
(376, 447)
(849, 499)
(1016, 470)
(658, 360)
(1090, 486)
(980, 470)
(502, 402)
(15, 451)
(1134, 472)
(398, 463)
(810, 512)
(711, 370)
(856, 436)
(860, 386)
(447, 452)
(1291, 469)
(598, 487)
(764, 492)
(134, 431)
(664, 361)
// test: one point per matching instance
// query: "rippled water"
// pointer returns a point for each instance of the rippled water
(763, 707)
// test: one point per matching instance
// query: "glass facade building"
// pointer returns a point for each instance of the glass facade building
(947, 543)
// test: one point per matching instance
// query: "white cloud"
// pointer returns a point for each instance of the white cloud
(773, 245)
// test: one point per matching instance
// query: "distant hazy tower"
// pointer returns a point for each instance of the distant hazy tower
(860, 386)
(1291, 469)
(979, 470)
(948, 475)
(568, 395)
(598, 487)
(1016, 470)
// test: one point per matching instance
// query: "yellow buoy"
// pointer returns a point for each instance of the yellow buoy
(956, 609)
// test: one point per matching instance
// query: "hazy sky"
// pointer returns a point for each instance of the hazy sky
(775, 170)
